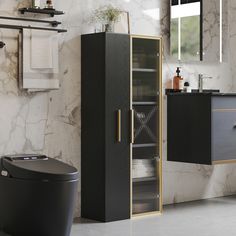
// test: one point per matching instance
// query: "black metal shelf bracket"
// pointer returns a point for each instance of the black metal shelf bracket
(21, 27)
(47, 11)
(52, 23)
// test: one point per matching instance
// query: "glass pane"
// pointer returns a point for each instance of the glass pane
(190, 38)
(145, 150)
(145, 185)
(145, 124)
(185, 41)
(145, 69)
(144, 86)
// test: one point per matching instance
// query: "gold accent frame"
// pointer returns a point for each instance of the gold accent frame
(132, 126)
(224, 110)
(159, 170)
(119, 125)
(220, 162)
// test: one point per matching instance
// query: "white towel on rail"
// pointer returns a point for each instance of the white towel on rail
(42, 49)
(39, 60)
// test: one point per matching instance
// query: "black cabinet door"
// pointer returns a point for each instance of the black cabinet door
(189, 128)
(105, 160)
(117, 90)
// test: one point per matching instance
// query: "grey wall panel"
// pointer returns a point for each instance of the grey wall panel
(223, 135)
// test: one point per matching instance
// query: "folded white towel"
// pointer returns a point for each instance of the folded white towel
(41, 84)
(39, 58)
(41, 49)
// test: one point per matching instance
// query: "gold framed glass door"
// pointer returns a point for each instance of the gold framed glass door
(146, 106)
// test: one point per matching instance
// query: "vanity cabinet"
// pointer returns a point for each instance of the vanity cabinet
(201, 128)
(121, 126)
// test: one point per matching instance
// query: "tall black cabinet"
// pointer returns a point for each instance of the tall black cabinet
(105, 161)
(121, 126)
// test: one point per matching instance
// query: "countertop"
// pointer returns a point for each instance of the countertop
(206, 92)
(201, 94)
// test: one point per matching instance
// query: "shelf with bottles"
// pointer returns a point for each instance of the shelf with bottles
(46, 11)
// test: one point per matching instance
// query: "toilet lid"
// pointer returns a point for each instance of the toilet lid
(38, 167)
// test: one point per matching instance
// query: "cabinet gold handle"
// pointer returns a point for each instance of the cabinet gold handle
(118, 126)
(131, 126)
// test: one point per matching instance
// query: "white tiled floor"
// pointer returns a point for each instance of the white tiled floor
(213, 217)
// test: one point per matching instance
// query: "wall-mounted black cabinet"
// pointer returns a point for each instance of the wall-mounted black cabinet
(121, 110)
(201, 128)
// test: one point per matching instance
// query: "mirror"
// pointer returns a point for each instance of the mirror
(186, 30)
(196, 30)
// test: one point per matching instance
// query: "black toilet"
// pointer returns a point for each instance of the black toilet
(37, 196)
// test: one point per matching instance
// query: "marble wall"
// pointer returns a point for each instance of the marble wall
(50, 122)
(232, 39)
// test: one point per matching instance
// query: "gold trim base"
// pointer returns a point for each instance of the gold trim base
(147, 214)
(220, 162)
(224, 110)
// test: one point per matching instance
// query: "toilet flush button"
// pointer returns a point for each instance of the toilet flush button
(4, 173)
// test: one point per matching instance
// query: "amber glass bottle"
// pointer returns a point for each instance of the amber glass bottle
(177, 79)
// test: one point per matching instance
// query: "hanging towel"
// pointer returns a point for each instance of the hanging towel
(39, 60)
(41, 49)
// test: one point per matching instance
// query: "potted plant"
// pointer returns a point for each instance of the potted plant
(107, 15)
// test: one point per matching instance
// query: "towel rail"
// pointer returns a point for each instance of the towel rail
(21, 27)
(53, 23)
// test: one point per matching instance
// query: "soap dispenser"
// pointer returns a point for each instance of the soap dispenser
(177, 80)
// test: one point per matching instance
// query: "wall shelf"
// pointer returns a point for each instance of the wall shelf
(144, 103)
(50, 12)
(144, 70)
(144, 179)
(144, 145)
